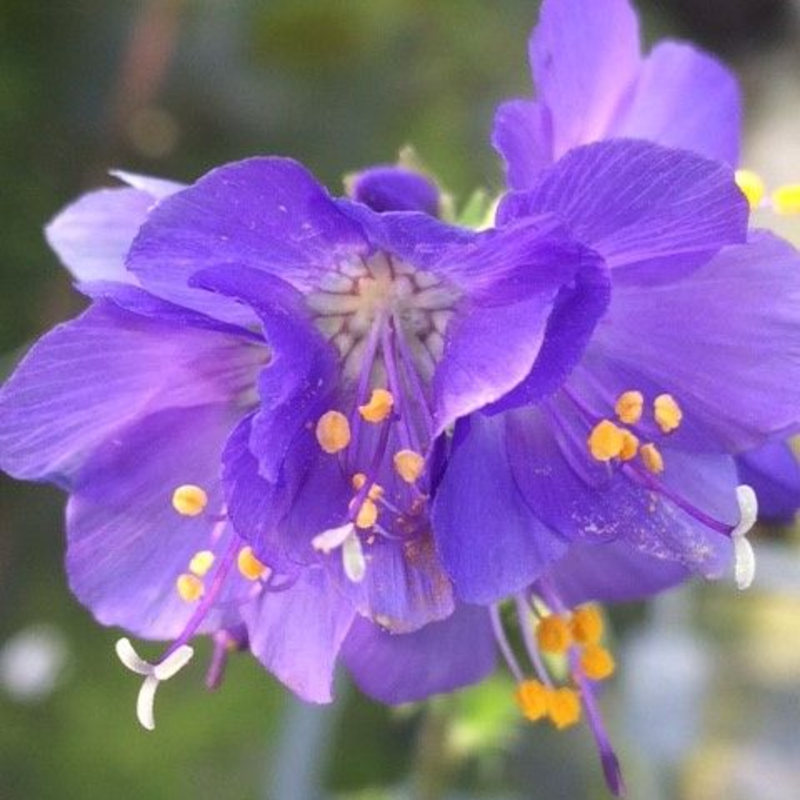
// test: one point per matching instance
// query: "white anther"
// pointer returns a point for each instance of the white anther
(744, 566)
(154, 674)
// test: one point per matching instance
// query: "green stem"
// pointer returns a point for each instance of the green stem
(434, 760)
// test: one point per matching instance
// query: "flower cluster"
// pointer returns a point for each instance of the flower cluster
(326, 430)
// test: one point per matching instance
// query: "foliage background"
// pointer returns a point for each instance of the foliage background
(707, 703)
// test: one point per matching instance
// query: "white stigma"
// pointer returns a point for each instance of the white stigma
(153, 674)
(744, 566)
(345, 537)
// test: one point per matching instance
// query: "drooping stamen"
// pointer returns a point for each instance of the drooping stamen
(503, 644)
(531, 697)
(608, 758)
(525, 620)
(597, 663)
(564, 707)
(553, 634)
(587, 625)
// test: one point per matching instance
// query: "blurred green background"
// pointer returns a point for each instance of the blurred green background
(706, 705)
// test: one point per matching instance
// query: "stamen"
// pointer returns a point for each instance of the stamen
(379, 406)
(531, 697)
(189, 500)
(153, 675)
(409, 465)
(597, 663)
(629, 407)
(563, 707)
(502, 642)
(744, 557)
(752, 186)
(605, 441)
(630, 446)
(553, 634)
(189, 587)
(786, 199)
(587, 625)
(201, 563)
(367, 515)
(333, 432)
(652, 458)
(249, 566)
(375, 490)
(667, 413)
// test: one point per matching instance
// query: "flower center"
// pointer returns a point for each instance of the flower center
(358, 295)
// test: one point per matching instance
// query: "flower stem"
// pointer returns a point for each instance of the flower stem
(434, 760)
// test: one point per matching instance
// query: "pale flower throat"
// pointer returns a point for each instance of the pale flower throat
(360, 295)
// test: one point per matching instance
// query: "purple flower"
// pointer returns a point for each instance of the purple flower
(592, 84)
(623, 481)
(279, 368)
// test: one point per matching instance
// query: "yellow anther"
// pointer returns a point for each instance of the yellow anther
(629, 407)
(249, 566)
(605, 441)
(409, 465)
(189, 587)
(367, 515)
(630, 446)
(201, 562)
(587, 625)
(375, 491)
(553, 634)
(189, 500)
(333, 431)
(531, 697)
(597, 663)
(667, 413)
(563, 707)
(379, 406)
(652, 458)
(752, 186)
(786, 199)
